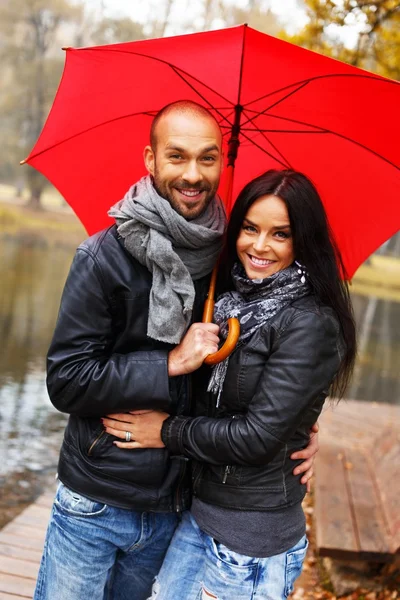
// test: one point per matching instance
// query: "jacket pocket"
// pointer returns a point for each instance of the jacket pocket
(96, 440)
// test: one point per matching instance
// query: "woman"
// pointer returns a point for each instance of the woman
(245, 535)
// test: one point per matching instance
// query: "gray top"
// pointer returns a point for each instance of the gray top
(253, 533)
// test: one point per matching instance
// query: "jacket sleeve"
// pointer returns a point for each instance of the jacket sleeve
(84, 376)
(301, 367)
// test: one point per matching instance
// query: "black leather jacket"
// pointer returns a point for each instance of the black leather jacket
(101, 361)
(274, 391)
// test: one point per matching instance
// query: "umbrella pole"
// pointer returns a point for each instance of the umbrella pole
(233, 324)
(208, 311)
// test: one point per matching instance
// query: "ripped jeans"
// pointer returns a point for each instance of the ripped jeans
(197, 567)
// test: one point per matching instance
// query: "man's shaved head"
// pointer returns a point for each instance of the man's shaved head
(183, 107)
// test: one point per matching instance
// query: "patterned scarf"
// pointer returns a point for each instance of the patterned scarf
(254, 302)
(174, 250)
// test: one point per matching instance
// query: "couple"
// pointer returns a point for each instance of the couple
(128, 337)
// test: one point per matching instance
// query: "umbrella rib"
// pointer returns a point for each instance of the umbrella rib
(316, 77)
(75, 135)
(274, 147)
(349, 139)
(250, 119)
(176, 71)
(165, 62)
(283, 130)
(263, 150)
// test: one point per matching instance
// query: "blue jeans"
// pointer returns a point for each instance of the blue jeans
(99, 552)
(197, 567)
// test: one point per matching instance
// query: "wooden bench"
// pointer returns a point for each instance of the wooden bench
(357, 484)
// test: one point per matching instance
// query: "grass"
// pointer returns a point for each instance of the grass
(51, 198)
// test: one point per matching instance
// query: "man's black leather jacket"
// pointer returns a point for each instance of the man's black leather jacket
(101, 361)
(274, 391)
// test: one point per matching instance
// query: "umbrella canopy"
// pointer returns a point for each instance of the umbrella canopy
(287, 107)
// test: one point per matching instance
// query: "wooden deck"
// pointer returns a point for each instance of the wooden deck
(357, 489)
(21, 545)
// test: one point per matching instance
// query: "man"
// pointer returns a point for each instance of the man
(132, 291)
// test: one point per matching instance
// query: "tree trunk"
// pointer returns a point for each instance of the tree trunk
(36, 184)
(34, 202)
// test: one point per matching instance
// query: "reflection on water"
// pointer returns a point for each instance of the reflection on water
(32, 276)
(377, 373)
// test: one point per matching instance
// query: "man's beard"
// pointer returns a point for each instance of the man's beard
(167, 193)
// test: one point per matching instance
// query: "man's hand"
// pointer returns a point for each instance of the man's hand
(144, 427)
(308, 457)
(201, 339)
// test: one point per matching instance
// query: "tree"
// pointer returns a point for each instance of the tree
(33, 64)
(254, 14)
(160, 25)
(377, 46)
(228, 13)
(112, 31)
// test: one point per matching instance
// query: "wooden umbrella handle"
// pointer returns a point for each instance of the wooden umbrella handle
(229, 345)
(233, 326)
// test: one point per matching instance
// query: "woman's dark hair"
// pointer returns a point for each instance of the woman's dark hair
(314, 247)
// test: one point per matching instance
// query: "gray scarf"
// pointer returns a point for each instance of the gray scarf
(174, 250)
(254, 302)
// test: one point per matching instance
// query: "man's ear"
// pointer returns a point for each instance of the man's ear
(149, 159)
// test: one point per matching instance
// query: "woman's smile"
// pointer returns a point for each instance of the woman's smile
(260, 262)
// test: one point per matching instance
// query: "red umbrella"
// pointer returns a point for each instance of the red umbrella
(294, 108)
(279, 106)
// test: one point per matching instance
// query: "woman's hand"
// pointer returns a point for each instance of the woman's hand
(308, 457)
(143, 425)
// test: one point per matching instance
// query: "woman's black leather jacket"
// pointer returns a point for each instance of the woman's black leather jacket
(274, 391)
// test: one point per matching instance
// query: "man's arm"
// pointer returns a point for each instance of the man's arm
(84, 376)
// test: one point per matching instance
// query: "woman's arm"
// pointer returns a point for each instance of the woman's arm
(301, 368)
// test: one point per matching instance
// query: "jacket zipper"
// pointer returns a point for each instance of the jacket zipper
(92, 445)
(228, 469)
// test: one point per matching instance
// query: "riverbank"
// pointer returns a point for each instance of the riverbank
(56, 226)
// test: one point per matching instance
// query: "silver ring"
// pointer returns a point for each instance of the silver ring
(127, 436)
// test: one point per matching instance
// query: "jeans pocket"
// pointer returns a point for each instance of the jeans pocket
(294, 564)
(75, 504)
